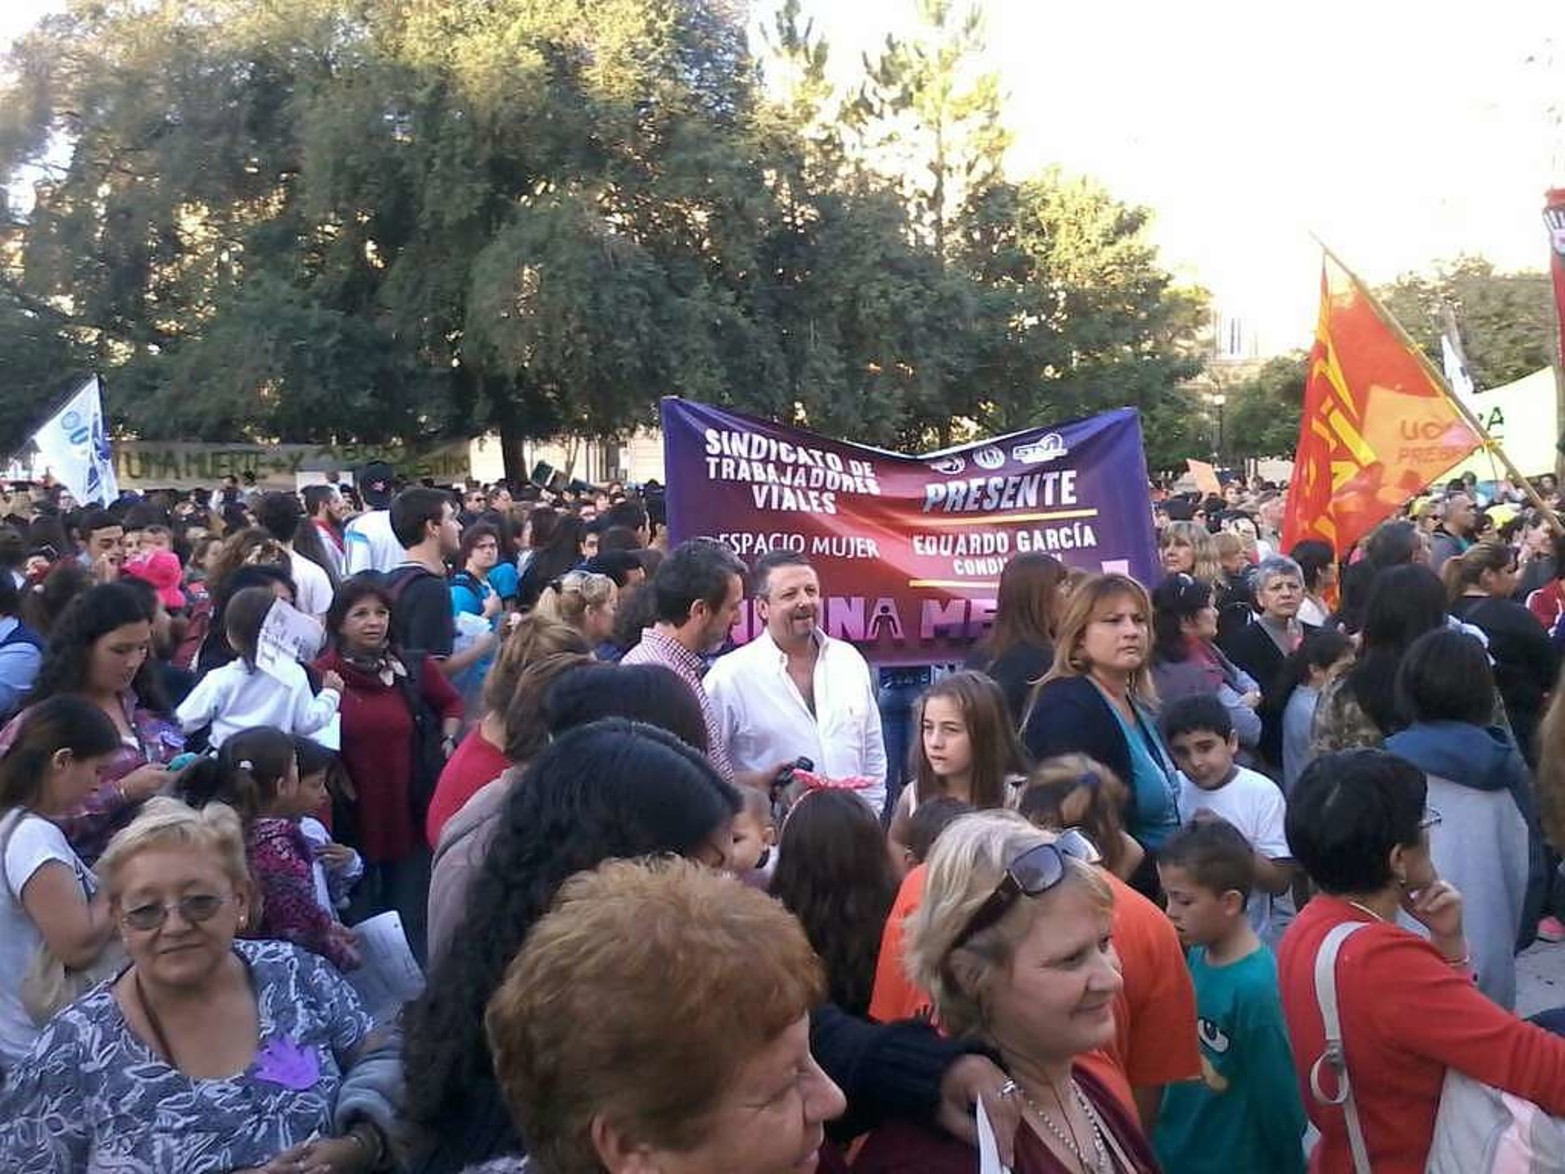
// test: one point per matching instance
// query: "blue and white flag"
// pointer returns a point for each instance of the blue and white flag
(73, 445)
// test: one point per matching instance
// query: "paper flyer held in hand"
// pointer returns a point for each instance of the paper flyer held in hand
(388, 976)
(287, 635)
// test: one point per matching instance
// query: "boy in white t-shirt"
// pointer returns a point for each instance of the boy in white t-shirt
(1201, 735)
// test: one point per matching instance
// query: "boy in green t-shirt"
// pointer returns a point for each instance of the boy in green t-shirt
(1244, 1113)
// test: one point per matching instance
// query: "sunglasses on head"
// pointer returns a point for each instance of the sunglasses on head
(1031, 874)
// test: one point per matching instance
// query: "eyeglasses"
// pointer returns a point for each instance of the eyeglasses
(195, 909)
(1431, 819)
(1031, 874)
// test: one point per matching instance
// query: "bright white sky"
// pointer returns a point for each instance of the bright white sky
(1402, 132)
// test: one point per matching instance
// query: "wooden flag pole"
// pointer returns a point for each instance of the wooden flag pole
(1489, 443)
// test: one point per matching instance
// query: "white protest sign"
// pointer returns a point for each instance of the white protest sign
(287, 636)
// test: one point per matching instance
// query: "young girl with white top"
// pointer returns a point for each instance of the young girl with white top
(967, 749)
(239, 696)
(47, 895)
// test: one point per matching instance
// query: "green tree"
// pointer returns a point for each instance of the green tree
(367, 220)
(925, 113)
(1081, 317)
(1506, 320)
(1261, 417)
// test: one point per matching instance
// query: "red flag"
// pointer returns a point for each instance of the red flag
(1554, 217)
(1377, 427)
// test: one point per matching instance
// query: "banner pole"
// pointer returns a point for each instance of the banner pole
(59, 404)
(1435, 376)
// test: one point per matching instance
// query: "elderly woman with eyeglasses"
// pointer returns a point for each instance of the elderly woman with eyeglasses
(1012, 943)
(206, 1054)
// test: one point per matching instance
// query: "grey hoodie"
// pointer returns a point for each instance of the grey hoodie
(1479, 785)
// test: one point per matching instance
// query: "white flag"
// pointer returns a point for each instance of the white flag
(74, 446)
(1456, 373)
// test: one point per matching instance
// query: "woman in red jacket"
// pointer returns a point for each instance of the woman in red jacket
(379, 752)
(1409, 1009)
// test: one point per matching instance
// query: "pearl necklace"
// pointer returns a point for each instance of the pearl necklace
(1100, 1163)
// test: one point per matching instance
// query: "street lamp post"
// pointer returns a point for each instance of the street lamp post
(1218, 400)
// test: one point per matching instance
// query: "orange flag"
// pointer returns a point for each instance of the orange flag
(1378, 425)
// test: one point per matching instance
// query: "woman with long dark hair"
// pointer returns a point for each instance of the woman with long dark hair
(1358, 708)
(47, 895)
(1186, 660)
(967, 749)
(550, 562)
(387, 697)
(1020, 649)
(101, 650)
(610, 789)
(835, 875)
(1391, 544)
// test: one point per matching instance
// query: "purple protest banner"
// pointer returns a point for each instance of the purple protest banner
(910, 549)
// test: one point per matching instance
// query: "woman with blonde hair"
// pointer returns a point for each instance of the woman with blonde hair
(1188, 548)
(585, 600)
(967, 749)
(1098, 700)
(207, 1053)
(1012, 941)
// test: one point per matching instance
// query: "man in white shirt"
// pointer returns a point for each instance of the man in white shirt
(368, 539)
(280, 514)
(794, 691)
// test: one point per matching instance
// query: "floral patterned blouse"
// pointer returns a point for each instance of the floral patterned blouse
(92, 1097)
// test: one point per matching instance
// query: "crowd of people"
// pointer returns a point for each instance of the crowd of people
(679, 906)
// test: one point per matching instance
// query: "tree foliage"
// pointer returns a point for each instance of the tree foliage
(1506, 320)
(1261, 417)
(368, 220)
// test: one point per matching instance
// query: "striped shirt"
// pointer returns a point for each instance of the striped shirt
(656, 648)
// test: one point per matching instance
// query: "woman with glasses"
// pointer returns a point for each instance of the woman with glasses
(206, 1054)
(1359, 824)
(1012, 943)
(475, 603)
(1481, 582)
